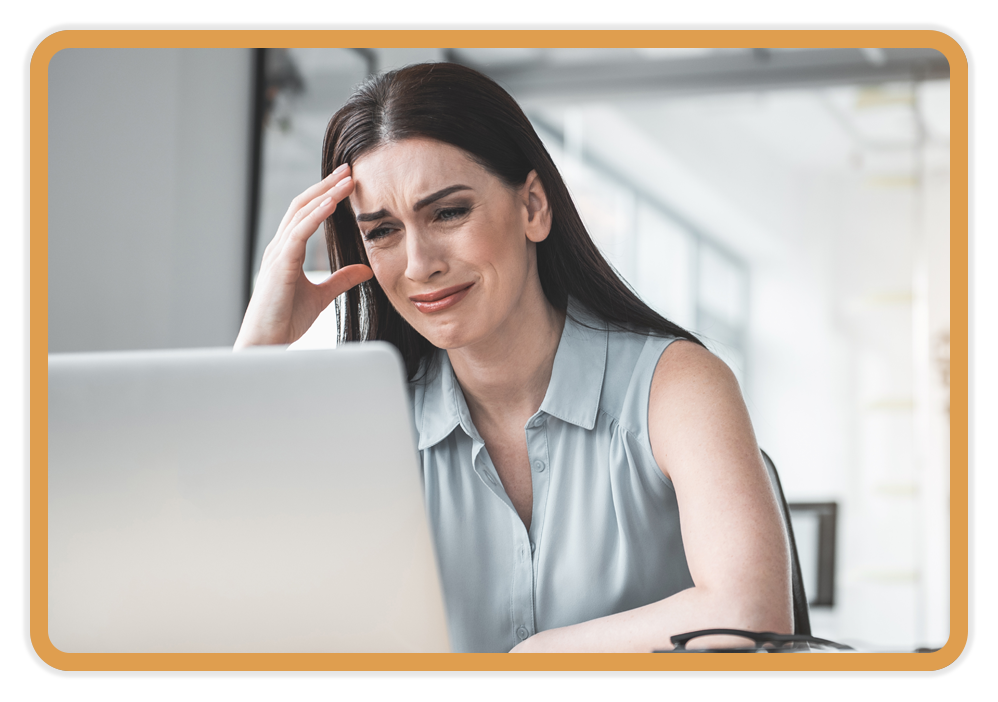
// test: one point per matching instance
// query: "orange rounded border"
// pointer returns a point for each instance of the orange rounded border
(38, 356)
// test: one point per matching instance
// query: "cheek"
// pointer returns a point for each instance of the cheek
(388, 266)
(502, 248)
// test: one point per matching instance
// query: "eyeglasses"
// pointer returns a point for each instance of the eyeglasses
(763, 642)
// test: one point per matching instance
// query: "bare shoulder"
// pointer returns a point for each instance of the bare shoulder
(685, 364)
(696, 413)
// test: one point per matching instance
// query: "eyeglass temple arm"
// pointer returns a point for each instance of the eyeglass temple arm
(679, 641)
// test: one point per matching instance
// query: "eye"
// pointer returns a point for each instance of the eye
(451, 213)
(379, 233)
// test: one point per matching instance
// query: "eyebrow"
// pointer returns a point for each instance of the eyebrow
(372, 216)
(437, 195)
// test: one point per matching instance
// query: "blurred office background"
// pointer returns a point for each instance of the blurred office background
(789, 205)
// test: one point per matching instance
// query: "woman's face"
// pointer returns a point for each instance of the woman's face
(452, 246)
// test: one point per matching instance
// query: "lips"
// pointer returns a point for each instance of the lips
(440, 299)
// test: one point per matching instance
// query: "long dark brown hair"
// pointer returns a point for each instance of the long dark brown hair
(460, 106)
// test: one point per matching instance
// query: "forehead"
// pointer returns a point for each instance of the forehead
(411, 169)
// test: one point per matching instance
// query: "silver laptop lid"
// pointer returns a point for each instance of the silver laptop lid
(263, 501)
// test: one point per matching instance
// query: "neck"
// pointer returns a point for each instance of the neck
(505, 377)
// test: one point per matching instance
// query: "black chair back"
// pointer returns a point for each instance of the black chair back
(802, 618)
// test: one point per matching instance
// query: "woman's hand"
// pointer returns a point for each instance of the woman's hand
(285, 303)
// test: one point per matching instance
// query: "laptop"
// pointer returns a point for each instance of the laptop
(260, 501)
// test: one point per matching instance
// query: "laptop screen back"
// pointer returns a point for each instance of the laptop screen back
(263, 501)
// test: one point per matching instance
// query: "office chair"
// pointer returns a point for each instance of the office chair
(802, 619)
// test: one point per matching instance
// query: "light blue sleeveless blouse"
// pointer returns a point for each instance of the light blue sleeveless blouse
(604, 534)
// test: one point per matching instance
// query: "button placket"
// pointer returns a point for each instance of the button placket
(537, 454)
(486, 470)
(522, 586)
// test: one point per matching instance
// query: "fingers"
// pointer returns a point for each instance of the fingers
(319, 189)
(342, 280)
(304, 204)
(308, 218)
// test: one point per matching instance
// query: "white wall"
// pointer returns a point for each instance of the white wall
(149, 154)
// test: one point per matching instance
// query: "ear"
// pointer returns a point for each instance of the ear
(538, 209)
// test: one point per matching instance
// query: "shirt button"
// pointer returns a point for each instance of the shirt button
(533, 547)
(540, 466)
(521, 633)
(490, 478)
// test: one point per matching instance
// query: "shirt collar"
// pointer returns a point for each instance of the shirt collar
(444, 407)
(573, 393)
(577, 377)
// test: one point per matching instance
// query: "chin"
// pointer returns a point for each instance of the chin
(445, 334)
(444, 338)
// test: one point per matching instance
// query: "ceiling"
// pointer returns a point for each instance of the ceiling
(728, 138)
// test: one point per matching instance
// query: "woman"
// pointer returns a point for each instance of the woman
(592, 478)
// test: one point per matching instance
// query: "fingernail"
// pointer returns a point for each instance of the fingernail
(343, 182)
(325, 202)
(341, 168)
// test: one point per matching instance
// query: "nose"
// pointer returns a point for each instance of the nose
(424, 257)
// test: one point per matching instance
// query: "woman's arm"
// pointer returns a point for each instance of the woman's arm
(731, 523)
